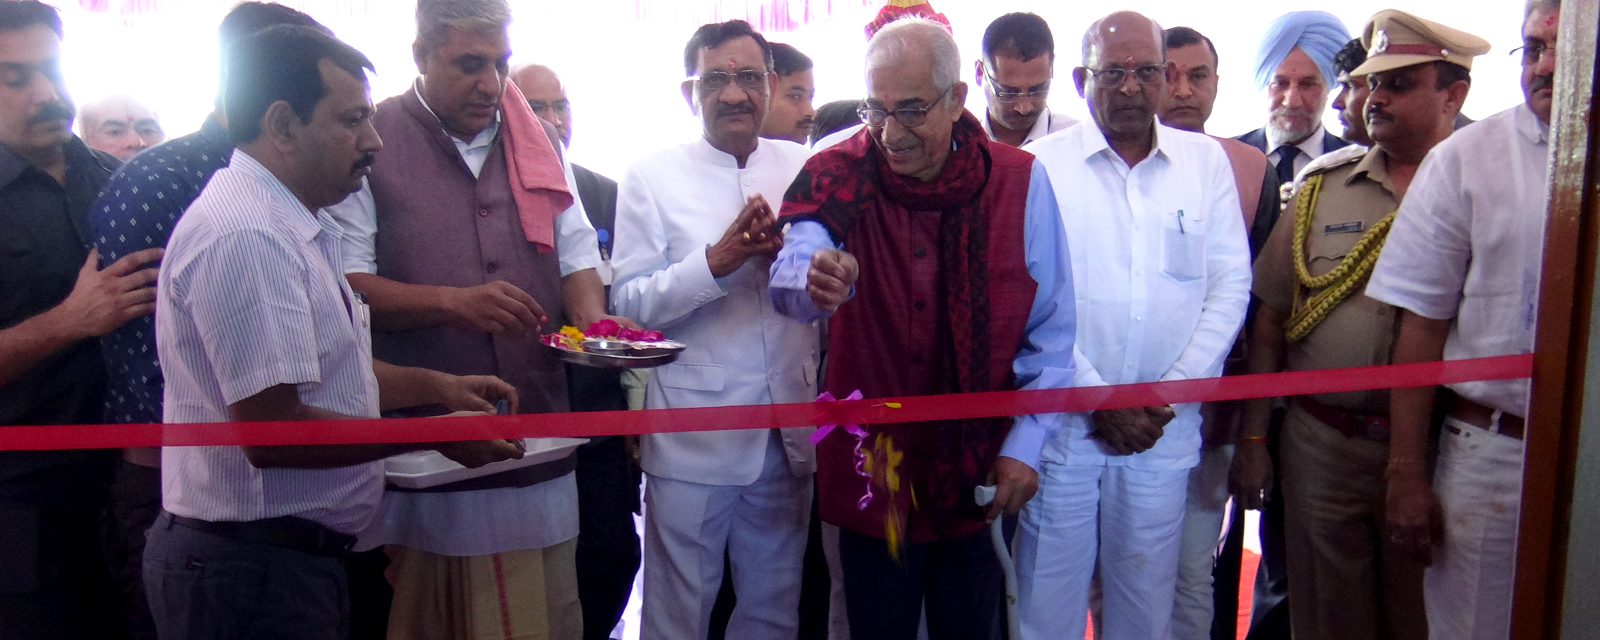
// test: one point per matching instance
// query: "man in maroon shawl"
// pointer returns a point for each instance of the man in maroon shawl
(956, 280)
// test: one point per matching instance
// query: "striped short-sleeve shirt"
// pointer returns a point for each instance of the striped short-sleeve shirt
(251, 295)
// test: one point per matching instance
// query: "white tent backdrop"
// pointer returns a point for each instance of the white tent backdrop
(622, 59)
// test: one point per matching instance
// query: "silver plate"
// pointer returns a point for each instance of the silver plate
(635, 359)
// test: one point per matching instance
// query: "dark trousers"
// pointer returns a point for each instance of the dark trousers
(959, 580)
(54, 582)
(207, 587)
(135, 504)
(1269, 613)
(608, 546)
(608, 495)
(370, 594)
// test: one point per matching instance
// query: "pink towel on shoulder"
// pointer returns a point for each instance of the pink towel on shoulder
(538, 185)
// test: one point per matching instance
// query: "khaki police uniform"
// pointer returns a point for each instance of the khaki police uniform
(1347, 578)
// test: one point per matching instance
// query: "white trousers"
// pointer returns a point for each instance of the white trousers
(1479, 484)
(1131, 520)
(838, 623)
(1203, 514)
(762, 528)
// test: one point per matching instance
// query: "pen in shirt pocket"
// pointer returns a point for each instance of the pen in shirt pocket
(1181, 231)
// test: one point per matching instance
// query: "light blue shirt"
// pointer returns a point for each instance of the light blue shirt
(1044, 360)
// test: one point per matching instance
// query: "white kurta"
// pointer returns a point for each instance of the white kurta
(1161, 267)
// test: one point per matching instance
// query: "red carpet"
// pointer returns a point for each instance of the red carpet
(1247, 581)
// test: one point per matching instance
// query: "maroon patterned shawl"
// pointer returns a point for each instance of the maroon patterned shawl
(852, 180)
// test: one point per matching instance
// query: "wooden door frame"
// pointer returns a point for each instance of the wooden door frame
(1566, 302)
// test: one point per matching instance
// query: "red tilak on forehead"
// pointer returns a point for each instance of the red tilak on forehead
(1129, 61)
(1550, 21)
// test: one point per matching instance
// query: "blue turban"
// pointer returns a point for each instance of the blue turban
(1318, 33)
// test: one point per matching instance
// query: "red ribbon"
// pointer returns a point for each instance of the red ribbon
(871, 411)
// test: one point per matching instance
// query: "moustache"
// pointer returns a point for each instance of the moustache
(726, 110)
(1286, 112)
(905, 143)
(1541, 83)
(50, 112)
(366, 161)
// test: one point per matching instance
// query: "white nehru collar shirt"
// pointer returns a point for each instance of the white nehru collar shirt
(671, 207)
(1161, 267)
(1467, 245)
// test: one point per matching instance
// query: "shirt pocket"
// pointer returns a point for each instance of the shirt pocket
(1183, 255)
(692, 377)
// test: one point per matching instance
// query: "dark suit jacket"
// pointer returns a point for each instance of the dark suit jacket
(599, 197)
(596, 389)
(1263, 223)
(1258, 139)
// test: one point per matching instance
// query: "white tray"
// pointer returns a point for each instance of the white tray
(424, 469)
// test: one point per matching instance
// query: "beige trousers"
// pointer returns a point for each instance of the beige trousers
(516, 595)
(1346, 579)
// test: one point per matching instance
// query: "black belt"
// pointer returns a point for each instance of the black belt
(288, 532)
(515, 478)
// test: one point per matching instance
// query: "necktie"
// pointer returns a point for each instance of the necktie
(1286, 155)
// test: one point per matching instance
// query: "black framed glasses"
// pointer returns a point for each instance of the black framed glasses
(908, 117)
(748, 79)
(1038, 93)
(1532, 52)
(1115, 76)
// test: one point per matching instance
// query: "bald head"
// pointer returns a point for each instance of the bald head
(1121, 29)
(119, 125)
(546, 96)
(1124, 78)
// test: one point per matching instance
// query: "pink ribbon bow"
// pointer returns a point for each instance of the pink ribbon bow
(855, 430)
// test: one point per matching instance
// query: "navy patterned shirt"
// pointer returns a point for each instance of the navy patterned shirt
(136, 210)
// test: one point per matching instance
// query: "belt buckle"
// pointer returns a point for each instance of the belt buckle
(1375, 429)
(326, 543)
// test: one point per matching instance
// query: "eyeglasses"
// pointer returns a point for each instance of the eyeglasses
(908, 117)
(1532, 52)
(1013, 96)
(714, 81)
(1115, 76)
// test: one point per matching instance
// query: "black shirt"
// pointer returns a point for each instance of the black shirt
(44, 244)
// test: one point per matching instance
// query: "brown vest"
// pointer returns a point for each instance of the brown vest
(437, 225)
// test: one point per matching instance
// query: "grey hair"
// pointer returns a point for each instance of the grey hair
(915, 36)
(1537, 4)
(435, 16)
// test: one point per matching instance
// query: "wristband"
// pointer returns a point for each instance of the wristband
(1250, 439)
